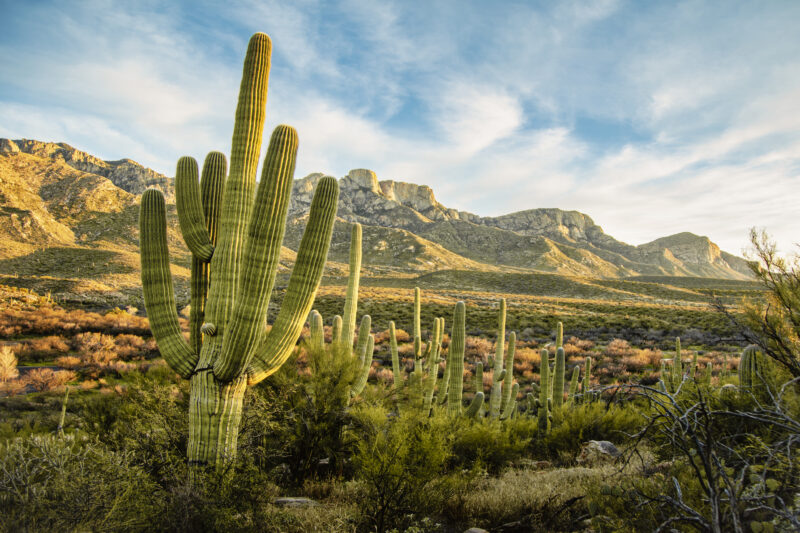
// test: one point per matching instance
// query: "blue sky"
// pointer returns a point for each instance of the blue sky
(651, 117)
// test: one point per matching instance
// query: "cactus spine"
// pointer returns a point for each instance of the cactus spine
(237, 236)
(455, 360)
(495, 399)
(558, 378)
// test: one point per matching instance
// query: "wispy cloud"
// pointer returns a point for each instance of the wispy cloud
(651, 118)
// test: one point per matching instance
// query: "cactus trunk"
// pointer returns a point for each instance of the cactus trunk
(496, 399)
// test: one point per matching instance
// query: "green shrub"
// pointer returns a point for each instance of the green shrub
(574, 425)
(490, 443)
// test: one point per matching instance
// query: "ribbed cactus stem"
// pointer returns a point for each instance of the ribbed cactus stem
(560, 335)
(188, 200)
(159, 296)
(508, 379)
(573, 384)
(351, 297)
(707, 375)
(456, 360)
(417, 336)
(336, 330)
(558, 378)
(544, 388)
(693, 371)
(317, 340)
(587, 373)
(366, 365)
(397, 372)
(677, 365)
(479, 377)
(511, 405)
(496, 397)
(475, 406)
(212, 184)
(434, 345)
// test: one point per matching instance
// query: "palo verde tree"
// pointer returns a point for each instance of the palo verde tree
(235, 234)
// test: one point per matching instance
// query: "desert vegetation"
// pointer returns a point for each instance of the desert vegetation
(420, 412)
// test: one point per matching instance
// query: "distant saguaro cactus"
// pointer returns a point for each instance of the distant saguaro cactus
(235, 234)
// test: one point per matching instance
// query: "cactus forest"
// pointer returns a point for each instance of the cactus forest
(350, 355)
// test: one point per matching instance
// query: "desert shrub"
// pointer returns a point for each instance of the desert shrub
(95, 348)
(44, 348)
(574, 425)
(8, 364)
(618, 348)
(45, 379)
(130, 347)
(402, 464)
(69, 361)
(491, 444)
(62, 484)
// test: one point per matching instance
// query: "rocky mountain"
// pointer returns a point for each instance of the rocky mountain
(70, 219)
(551, 240)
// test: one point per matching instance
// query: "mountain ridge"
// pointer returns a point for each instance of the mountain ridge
(56, 197)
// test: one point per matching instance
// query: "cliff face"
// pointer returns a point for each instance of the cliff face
(126, 174)
(54, 195)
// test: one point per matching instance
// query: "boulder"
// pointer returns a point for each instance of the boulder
(596, 452)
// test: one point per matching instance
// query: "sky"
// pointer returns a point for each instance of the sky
(651, 117)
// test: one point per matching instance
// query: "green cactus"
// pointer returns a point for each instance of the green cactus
(397, 372)
(511, 405)
(495, 398)
(351, 297)
(434, 346)
(475, 407)
(508, 379)
(693, 369)
(364, 349)
(587, 373)
(707, 375)
(558, 378)
(544, 389)
(317, 340)
(560, 335)
(238, 236)
(336, 330)
(573, 384)
(417, 336)
(455, 360)
(677, 366)
(752, 370)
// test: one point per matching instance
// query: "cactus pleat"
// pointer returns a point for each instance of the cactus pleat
(511, 405)
(508, 379)
(455, 360)
(336, 330)
(475, 406)
(677, 366)
(364, 351)
(243, 236)
(707, 375)
(587, 372)
(434, 345)
(159, 295)
(573, 384)
(212, 183)
(396, 370)
(558, 378)
(544, 388)
(317, 340)
(560, 335)
(237, 202)
(417, 337)
(191, 217)
(496, 396)
(351, 297)
(303, 283)
(261, 254)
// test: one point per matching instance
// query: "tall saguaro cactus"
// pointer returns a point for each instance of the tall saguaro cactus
(496, 397)
(351, 298)
(235, 234)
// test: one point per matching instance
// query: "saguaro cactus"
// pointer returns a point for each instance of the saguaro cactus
(544, 398)
(351, 298)
(558, 378)
(496, 399)
(455, 360)
(235, 240)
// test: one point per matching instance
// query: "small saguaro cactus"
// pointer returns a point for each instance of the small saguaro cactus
(417, 336)
(508, 379)
(677, 366)
(544, 393)
(364, 349)
(752, 369)
(587, 373)
(558, 378)
(560, 335)
(397, 372)
(496, 399)
(235, 237)
(455, 360)
(351, 297)
(573, 384)
(433, 349)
